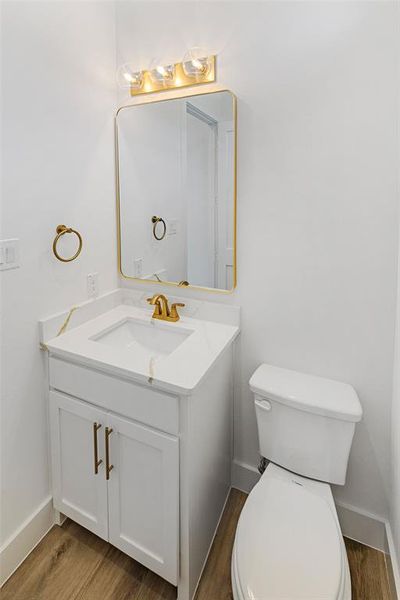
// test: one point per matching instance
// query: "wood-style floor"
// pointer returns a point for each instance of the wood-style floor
(71, 563)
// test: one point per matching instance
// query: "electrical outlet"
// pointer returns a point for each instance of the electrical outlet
(138, 267)
(93, 285)
(9, 254)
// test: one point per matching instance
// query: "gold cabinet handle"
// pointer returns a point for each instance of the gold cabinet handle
(97, 462)
(109, 468)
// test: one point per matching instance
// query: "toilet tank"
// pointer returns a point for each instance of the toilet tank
(305, 423)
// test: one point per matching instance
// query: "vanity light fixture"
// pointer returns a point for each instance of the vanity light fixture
(196, 68)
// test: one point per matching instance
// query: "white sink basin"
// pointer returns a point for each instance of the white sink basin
(125, 341)
(154, 339)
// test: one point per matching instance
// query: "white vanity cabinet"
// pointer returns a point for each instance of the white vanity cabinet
(141, 448)
(168, 457)
(119, 479)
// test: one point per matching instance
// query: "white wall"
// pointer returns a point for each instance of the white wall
(395, 417)
(317, 211)
(58, 95)
(395, 436)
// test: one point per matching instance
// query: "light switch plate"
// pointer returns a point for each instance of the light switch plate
(172, 227)
(9, 254)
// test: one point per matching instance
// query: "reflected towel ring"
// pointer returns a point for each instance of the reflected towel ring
(156, 220)
(61, 230)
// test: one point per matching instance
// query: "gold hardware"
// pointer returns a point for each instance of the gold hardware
(183, 283)
(174, 313)
(118, 196)
(109, 468)
(97, 462)
(162, 310)
(156, 220)
(179, 79)
(62, 230)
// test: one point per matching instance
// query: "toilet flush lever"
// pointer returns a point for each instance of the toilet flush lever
(263, 404)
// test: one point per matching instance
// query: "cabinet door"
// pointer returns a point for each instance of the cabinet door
(78, 490)
(143, 495)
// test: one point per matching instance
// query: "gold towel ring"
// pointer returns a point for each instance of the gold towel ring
(156, 220)
(61, 230)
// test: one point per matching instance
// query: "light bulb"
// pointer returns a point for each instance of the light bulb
(128, 77)
(196, 62)
(163, 74)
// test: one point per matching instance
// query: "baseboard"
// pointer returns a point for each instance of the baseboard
(362, 526)
(244, 476)
(392, 563)
(14, 551)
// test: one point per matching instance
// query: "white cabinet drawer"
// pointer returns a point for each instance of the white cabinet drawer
(137, 402)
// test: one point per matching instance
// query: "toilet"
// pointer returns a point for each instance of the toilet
(288, 542)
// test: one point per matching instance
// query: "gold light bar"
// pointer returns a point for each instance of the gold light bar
(179, 80)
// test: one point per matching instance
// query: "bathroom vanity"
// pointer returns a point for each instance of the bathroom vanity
(141, 435)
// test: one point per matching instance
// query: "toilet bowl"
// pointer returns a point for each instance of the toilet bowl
(288, 542)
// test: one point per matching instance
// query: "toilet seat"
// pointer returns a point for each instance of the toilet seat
(288, 543)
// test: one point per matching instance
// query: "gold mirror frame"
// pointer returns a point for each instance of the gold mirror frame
(118, 197)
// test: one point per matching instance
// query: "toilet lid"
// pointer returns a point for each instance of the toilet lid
(288, 543)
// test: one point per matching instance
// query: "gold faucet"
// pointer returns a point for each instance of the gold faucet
(162, 310)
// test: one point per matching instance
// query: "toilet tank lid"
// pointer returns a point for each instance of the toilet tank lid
(307, 392)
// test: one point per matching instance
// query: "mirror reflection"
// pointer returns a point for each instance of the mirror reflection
(176, 187)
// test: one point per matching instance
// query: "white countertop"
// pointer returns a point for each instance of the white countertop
(180, 372)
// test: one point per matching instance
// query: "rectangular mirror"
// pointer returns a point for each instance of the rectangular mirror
(176, 190)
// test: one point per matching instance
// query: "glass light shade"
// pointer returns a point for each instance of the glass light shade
(196, 62)
(163, 73)
(128, 77)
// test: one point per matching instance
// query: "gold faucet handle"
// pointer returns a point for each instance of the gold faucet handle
(154, 301)
(174, 313)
